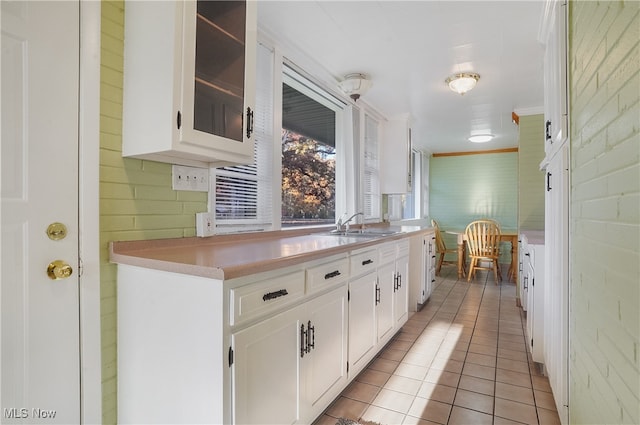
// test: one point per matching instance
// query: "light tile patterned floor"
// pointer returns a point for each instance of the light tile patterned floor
(461, 360)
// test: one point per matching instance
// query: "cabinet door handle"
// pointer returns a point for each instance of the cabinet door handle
(365, 262)
(547, 130)
(332, 274)
(311, 329)
(526, 282)
(249, 122)
(548, 181)
(399, 281)
(276, 294)
(179, 120)
(377, 294)
(303, 342)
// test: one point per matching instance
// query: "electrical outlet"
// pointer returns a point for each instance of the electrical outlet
(190, 178)
(204, 224)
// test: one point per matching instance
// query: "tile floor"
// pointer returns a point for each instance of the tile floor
(461, 360)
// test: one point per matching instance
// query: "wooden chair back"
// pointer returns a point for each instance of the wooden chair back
(483, 238)
(440, 245)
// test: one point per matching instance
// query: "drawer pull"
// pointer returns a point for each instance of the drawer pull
(332, 274)
(273, 295)
(365, 262)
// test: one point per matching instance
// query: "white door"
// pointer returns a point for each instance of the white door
(401, 292)
(384, 300)
(265, 378)
(39, 186)
(324, 369)
(362, 321)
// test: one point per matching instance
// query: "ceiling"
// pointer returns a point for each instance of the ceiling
(408, 49)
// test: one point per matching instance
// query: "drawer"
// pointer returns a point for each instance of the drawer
(327, 274)
(362, 262)
(261, 298)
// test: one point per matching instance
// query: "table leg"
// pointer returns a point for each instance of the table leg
(513, 271)
(461, 260)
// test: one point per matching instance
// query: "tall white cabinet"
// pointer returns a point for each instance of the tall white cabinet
(556, 167)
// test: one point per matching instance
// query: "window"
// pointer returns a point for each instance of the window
(310, 163)
(243, 195)
(414, 204)
(310, 152)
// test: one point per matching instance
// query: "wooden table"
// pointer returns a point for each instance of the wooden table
(507, 235)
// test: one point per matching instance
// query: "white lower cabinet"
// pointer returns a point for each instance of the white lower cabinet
(263, 355)
(272, 348)
(422, 262)
(384, 302)
(288, 368)
(324, 364)
(401, 286)
(533, 290)
(362, 321)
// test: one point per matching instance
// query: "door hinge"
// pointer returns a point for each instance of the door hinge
(230, 356)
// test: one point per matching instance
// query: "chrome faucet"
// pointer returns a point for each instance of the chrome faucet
(340, 224)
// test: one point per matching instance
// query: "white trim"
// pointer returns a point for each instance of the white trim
(89, 235)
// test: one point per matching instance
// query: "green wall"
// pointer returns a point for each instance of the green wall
(464, 188)
(136, 199)
(604, 238)
(531, 180)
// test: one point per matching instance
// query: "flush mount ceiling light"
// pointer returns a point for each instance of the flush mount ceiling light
(481, 138)
(355, 85)
(463, 82)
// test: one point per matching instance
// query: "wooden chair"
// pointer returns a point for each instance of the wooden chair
(441, 250)
(483, 242)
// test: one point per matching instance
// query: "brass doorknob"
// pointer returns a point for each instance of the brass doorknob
(58, 269)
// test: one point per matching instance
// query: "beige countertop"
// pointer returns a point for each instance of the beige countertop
(232, 256)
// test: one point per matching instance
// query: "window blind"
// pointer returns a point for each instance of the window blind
(371, 179)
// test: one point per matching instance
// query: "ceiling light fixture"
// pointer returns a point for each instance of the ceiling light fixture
(355, 85)
(481, 138)
(463, 82)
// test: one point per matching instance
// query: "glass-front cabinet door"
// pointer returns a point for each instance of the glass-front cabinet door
(219, 68)
(218, 93)
(189, 86)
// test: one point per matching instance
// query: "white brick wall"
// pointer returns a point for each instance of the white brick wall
(604, 62)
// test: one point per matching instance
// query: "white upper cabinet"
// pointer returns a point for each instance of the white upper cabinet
(553, 35)
(189, 81)
(396, 156)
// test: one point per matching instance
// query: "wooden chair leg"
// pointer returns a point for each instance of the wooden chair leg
(472, 266)
(440, 260)
(495, 270)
